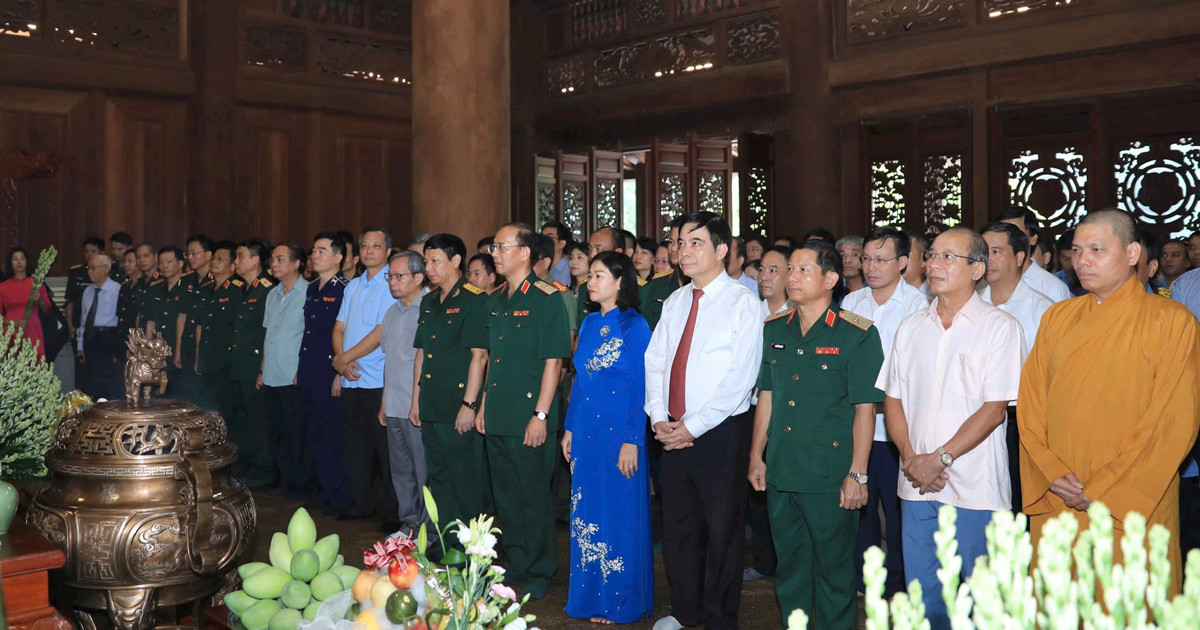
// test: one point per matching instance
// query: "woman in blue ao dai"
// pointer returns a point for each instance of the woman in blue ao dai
(612, 563)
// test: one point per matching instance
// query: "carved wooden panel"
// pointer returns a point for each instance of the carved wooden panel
(593, 20)
(393, 16)
(546, 208)
(1001, 8)
(574, 181)
(276, 48)
(712, 169)
(888, 179)
(121, 27)
(650, 12)
(607, 194)
(754, 39)
(1052, 181)
(669, 192)
(1158, 179)
(20, 17)
(566, 75)
(690, 9)
(365, 60)
(339, 12)
(942, 188)
(875, 20)
(663, 56)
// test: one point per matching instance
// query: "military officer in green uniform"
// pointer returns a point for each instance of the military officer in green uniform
(812, 437)
(450, 366)
(118, 244)
(528, 339)
(214, 328)
(167, 296)
(662, 285)
(147, 264)
(247, 421)
(197, 283)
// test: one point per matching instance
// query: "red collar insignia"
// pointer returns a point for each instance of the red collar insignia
(830, 318)
(524, 286)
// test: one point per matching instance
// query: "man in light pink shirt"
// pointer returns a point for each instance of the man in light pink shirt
(951, 371)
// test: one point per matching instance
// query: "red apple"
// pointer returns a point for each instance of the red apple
(403, 577)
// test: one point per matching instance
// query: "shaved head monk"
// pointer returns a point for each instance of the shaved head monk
(1108, 405)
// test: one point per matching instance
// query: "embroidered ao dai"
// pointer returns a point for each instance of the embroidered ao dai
(612, 570)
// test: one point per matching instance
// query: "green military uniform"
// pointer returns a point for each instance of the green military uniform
(116, 272)
(127, 307)
(446, 332)
(216, 336)
(143, 302)
(196, 292)
(815, 380)
(168, 303)
(247, 422)
(77, 281)
(524, 330)
(654, 293)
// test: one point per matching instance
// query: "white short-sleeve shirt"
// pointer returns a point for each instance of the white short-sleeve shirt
(941, 377)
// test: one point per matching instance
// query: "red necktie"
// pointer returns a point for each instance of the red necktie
(677, 399)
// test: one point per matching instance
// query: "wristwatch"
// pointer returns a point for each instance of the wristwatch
(947, 458)
(473, 406)
(859, 478)
(540, 415)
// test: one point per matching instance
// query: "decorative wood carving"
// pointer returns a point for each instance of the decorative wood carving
(607, 173)
(546, 207)
(1158, 180)
(943, 189)
(595, 20)
(688, 9)
(887, 192)
(17, 16)
(394, 16)
(874, 20)
(365, 60)
(637, 61)
(1052, 181)
(573, 176)
(651, 12)
(754, 39)
(338, 12)
(276, 48)
(1001, 8)
(126, 28)
(566, 75)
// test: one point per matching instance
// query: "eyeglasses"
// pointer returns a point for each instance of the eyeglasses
(878, 260)
(500, 247)
(396, 276)
(946, 257)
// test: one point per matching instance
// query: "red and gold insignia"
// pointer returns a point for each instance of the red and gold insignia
(827, 351)
(524, 286)
(451, 311)
(830, 317)
(330, 299)
(520, 313)
(472, 288)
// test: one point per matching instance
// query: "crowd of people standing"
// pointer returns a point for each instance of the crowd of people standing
(833, 392)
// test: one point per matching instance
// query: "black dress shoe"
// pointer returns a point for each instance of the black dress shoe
(354, 516)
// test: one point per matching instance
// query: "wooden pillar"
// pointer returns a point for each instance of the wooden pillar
(808, 183)
(213, 126)
(461, 117)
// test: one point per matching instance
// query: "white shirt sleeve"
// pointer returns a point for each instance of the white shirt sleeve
(735, 386)
(656, 365)
(1007, 353)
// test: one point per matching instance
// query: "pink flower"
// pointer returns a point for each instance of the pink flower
(500, 590)
(479, 550)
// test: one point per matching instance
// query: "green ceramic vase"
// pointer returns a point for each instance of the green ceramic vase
(8, 505)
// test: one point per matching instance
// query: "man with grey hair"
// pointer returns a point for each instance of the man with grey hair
(417, 244)
(98, 338)
(406, 453)
(948, 377)
(851, 249)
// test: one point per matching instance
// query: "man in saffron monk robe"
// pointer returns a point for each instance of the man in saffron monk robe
(1108, 401)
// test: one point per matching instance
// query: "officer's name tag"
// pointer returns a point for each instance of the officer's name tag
(827, 350)
(451, 311)
(778, 346)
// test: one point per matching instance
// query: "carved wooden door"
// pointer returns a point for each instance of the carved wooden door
(607, 177)
(756, 170)
(573, 174)
(712, 176)
(669, 187)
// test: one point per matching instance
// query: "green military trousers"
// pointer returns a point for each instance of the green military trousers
(815, 541)
(525, 507)
(458, 475)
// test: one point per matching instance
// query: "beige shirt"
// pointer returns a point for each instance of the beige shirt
(941, 376)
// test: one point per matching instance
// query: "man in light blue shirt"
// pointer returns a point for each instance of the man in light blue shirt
(283, 319)
(1186, 291)
(406, 280)
(358, 357)
(98, 347)
(560, 265)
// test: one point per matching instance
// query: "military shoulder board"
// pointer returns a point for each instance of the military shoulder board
(663, 274)
(856, 319)
(266, 283)
(778, 315)
(472, 288)
(545, 288)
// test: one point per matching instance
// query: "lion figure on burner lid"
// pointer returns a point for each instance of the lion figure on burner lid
(145, 366)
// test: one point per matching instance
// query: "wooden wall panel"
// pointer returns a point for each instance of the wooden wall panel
(271, 178)
(145, 164)
(367, 170)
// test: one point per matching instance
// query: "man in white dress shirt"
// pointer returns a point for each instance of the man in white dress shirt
(1039, 279)
(700, 369)
(1008, 248)
(98, 346)
(886, 300)
(952, 369)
